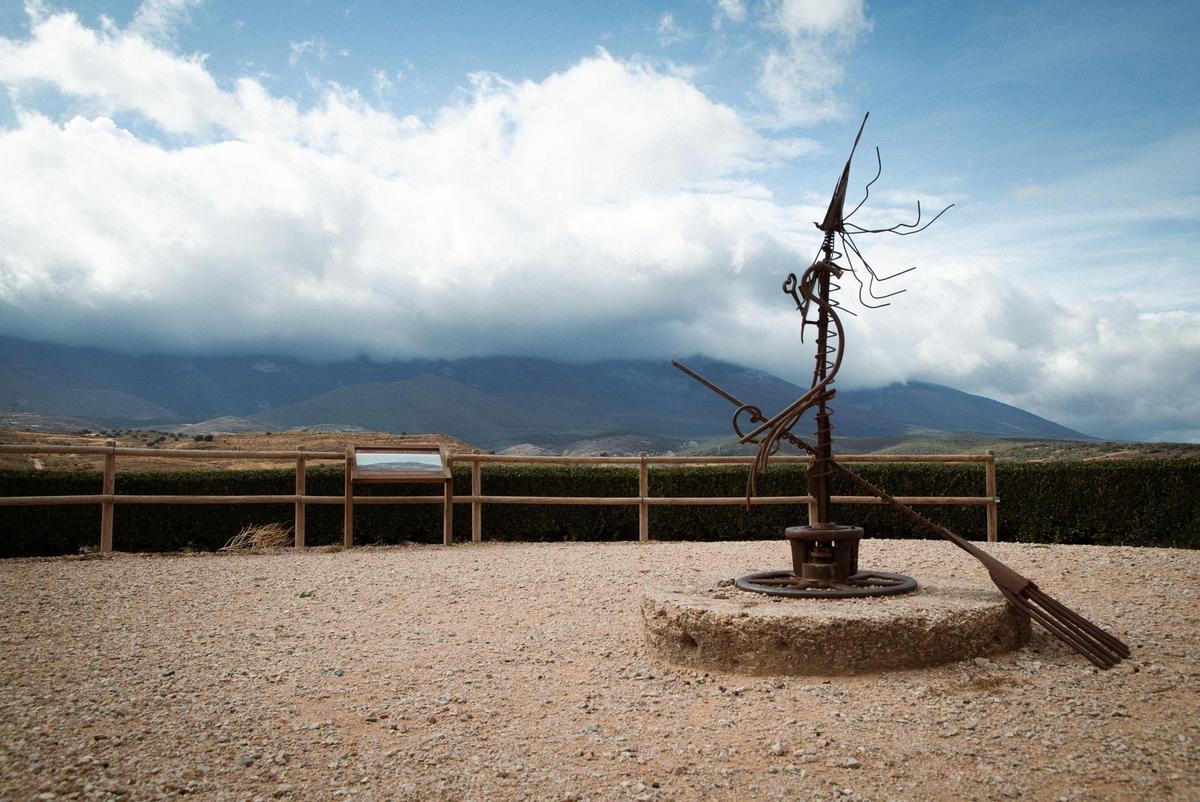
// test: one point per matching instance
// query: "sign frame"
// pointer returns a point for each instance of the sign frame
(355, 476)
(368, 476)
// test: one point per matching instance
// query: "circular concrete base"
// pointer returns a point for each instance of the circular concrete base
(715, 626)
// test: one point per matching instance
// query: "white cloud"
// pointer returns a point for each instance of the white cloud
(158, 20)
(116, 72)
(802, 19)
(382, 83)
(317, 47)
(670, 31)
(36, 10)
(609, 210)
(799, 80)
(733, 10)
(801, 85)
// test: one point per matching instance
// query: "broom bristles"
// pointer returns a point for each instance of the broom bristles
(1098, 646)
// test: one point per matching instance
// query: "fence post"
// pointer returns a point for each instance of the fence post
(448, 513)
(476, 507)
(106, 506)
(300, 485)
(993, 514)
(348, 514)
(643, 493)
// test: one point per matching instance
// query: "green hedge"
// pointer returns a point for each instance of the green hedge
(1141, 503)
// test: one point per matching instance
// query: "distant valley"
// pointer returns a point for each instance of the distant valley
(493, 402)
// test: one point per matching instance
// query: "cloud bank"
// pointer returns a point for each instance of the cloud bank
(609, 210)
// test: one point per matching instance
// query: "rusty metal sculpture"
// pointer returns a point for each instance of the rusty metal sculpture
(825, 554)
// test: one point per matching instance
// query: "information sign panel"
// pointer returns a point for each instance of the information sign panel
(399, 464)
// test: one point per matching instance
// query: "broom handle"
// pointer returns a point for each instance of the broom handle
(1001, 573)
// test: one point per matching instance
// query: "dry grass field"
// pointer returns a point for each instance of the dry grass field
(1005, 450)
(256, 441)
(518, 672)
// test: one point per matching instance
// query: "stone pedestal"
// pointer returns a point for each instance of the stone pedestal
(716, 627)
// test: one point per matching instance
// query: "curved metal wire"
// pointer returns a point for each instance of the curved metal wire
(814, 295)
(915, 225)
(867, 188)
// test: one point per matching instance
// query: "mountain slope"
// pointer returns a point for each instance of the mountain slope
(493, 401)
(934, 407)
(423, 404)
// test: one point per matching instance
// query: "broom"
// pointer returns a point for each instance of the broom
(1082, 635)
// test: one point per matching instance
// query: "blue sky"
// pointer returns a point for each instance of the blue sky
(614, 179)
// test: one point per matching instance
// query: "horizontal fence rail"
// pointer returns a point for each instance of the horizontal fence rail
(108, 498)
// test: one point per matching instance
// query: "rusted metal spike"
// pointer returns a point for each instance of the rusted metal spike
(834, 214)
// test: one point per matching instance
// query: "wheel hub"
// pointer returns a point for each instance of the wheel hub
(825, 565)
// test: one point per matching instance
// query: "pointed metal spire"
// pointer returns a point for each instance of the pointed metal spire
(833, 217)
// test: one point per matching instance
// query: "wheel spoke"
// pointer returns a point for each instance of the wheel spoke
(865, 583)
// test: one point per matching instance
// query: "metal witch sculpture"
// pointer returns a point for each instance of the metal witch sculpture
(825, 554)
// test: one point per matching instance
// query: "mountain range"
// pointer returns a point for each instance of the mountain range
(492, 402)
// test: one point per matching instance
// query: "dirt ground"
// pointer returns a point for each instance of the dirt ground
(518, 671)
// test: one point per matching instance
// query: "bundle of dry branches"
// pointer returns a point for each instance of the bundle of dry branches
(260, 538)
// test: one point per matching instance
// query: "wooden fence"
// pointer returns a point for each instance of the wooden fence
(108, 498)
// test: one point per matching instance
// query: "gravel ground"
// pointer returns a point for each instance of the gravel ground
(517, 671)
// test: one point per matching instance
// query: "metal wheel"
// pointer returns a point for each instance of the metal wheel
(867, 582)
